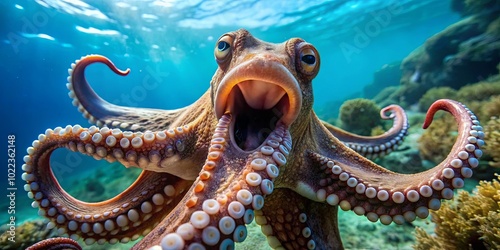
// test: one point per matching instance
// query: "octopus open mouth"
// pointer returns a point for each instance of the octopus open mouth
(256, 112)
(260, 95)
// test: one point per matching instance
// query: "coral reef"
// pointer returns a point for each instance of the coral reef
(387, 76)
(100, 185)
(469, 222)
(330, 111)
(95, 187)
(388, 96)
(480, 90)
(492, 147)
(359, 116)
(482, 97)
(492, 108)
(462, 63)
(463, 53)
(440, 136)
(378, 130)
(406, 158)
(415, 118)
(470, 7)
(369, 235)
(438, 139)
(435, 94)
(27, 234)
(406, 161)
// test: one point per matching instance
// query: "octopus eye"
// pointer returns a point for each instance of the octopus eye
(308, 60)
(223, 48)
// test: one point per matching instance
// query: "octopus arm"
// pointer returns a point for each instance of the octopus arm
(56, 244)
(375, 146)
(292, 221)
(100, 112)
(127, 216)
(348, 180)
(230, 187)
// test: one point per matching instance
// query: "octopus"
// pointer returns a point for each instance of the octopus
(213, 167)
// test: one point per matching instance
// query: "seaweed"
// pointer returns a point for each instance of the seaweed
(492, 138)
(470, 221)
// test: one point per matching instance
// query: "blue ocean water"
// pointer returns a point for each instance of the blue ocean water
(173, 42)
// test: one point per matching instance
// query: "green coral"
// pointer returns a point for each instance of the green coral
(479, 91)
(478, 108)
(492, 138)
(469, 222)
(482, 97)
(360, 116)
(435, 94)
(27, 234)
(378, 130)
(491, 108)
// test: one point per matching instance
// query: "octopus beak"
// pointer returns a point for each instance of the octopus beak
(259, 94)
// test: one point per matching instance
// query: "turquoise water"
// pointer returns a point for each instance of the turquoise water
(173, 41)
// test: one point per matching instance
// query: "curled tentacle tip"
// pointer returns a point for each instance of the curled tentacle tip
(392, 110)
(428, 120)
(55, 244)
(441, 104)
(385, 110)
(124, 72)
(99, 58)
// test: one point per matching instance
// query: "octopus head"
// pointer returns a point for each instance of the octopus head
(262, 85)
